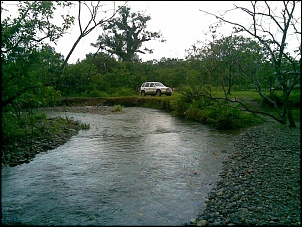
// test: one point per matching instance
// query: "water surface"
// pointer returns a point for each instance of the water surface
(138, 167)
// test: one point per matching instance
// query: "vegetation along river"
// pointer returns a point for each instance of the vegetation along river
(137, 167)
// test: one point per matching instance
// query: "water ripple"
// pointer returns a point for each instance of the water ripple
(140, 167)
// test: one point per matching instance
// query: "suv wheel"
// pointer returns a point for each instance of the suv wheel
(143, 93)
(158, 93)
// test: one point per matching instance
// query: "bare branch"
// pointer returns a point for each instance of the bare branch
(89, 27)
(79, 17)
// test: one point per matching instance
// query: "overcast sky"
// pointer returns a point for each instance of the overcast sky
(180, 22)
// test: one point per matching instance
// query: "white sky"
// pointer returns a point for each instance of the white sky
(180, 22)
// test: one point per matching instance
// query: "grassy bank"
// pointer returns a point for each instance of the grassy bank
(222, 115)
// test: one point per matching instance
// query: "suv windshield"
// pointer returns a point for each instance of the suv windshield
(159, 84)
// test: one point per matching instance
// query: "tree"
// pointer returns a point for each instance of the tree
(205, 61)
(94, 9)
(24, 37)
(123, 36)
(102, 61)
(26, 59)
(240, 57)
(264, 17)
(226, 61)
(77, 78)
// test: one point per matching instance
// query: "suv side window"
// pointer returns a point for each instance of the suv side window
(147, 84)
(152, 85)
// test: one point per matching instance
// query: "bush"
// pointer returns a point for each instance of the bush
(196, 115)
(117, 108)
(123, 91)
(220, 116)
(295, 98)
(96, 93)
(16, 127)
(179, 105)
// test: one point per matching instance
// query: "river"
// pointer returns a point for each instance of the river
(138, 167)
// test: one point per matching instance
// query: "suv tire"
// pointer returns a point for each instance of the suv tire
(143, 93)
(158, 93)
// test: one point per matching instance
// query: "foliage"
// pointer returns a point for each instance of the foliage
(220, 116)
(32, 125)
(117, 108)
(228, 61)
(124, 35)
(80, 78)
(278, 98)
(122, 91)
(27, 62)
(180, 104)
(280, 16)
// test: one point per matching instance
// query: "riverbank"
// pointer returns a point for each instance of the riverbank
(260, 183)
(55, 132)
(25, 149)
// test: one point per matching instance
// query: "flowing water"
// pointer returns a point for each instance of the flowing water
(138, 167)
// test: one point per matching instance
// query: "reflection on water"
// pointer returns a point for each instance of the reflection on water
(138, 167)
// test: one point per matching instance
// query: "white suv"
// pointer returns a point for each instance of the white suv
(155, 88)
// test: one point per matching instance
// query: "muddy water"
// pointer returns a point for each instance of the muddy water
(138, 167)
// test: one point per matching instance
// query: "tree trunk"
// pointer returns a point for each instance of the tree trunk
(230, 86)
(287, 106)
(291, 119)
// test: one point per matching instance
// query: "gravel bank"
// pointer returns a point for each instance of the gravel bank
(260, 183)
(82, 109)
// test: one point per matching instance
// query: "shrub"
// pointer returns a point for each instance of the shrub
(117, 108)
(96, 93)
(123, 91)
(220, 116)
(179, 105)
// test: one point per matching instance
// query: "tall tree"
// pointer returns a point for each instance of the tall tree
(271, 23)
(123, 36)
(95, 8)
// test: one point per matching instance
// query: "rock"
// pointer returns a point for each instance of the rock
(219, 193)
(202, 223)
(193, 220)
(260, 185)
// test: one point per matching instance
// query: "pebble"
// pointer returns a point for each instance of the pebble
(260, 182)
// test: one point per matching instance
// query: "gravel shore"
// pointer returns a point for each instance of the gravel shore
(260, 183)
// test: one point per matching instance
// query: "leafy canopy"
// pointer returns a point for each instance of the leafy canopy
(124, 35)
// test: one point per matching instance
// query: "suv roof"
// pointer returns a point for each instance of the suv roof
(152, 82)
